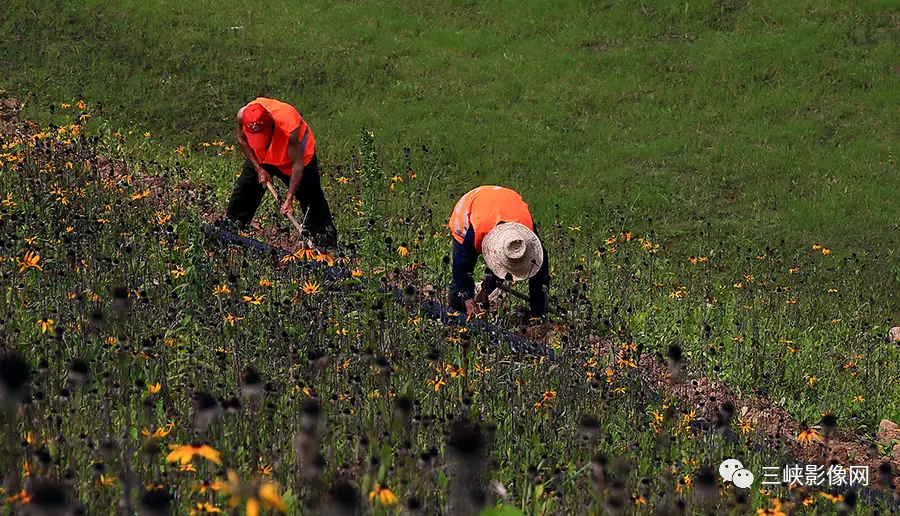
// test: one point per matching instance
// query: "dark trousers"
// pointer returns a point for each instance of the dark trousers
(248, 194)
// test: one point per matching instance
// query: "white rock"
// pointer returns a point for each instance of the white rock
(894, 334)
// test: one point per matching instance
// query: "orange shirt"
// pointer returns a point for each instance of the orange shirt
(287, 119)
(483, 208)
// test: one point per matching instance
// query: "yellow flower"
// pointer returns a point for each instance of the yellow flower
(230, 319)
(857, 399)
(221, 289)
(343, 180)
(265, 283)
(545, 398)
(163, 218)
(310, 288)
(454, 371)
(262, 496)
(794, 270)
(205, 508)
(158, 433)
(140, 195)
(403, 250)
(809, 436)
(437, 382)
(574, 228)
(745, 426)
(154, 388)
(811, 380)
(325, 258)
(253, 300)
(356, 273)
(177, 272)
(305, 254)
(187, 467)
(105, 481)
(626, 363)
(205, 485)
(830, 497)
(65, 106)
(81, 105)
(45, 325)
(30, 259)
(147, 134)
(185, 452)
(826, 251)
(383, 495)
(22, 496)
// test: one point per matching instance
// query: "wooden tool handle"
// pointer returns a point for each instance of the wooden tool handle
(272, 189)
(296, 224)
(290, 217)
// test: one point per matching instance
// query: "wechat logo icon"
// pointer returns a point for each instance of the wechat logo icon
(733, 471)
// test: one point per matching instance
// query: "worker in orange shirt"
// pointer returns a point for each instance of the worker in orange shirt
(277, 142)
(495, 222)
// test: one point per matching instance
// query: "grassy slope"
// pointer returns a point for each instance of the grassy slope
(769, 120)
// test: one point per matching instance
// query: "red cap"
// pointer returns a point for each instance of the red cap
(258, 126)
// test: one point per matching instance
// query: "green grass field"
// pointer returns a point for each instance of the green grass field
(767, 120)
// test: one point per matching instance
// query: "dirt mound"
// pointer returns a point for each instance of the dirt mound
(9, 115)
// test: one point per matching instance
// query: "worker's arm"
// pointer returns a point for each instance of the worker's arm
(295, 154)
(539, 287)
(464, 259)
(248, 152)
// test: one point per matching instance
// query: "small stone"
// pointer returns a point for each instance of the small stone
(894, 334)
(888, 430)
(896, 452)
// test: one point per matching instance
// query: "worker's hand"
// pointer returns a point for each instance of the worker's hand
(288, 207)
(263, 176)
(473, 308)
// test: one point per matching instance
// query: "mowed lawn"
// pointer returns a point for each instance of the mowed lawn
(752, 122)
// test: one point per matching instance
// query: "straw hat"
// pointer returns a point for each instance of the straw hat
(514, 249)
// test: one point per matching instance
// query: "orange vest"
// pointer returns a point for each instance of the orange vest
(287, 119)
(485, 207)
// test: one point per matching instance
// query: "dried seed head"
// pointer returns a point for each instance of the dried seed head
(675, 357)
(78, 371)
(310, 415)
(48, 499)
(383, 366)
(15, 374)
(252, 383)
(848, 504)
(156, 502)
(886, 475)
(465, 439)
(345, 498)
(589, 425)
(705, 481)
